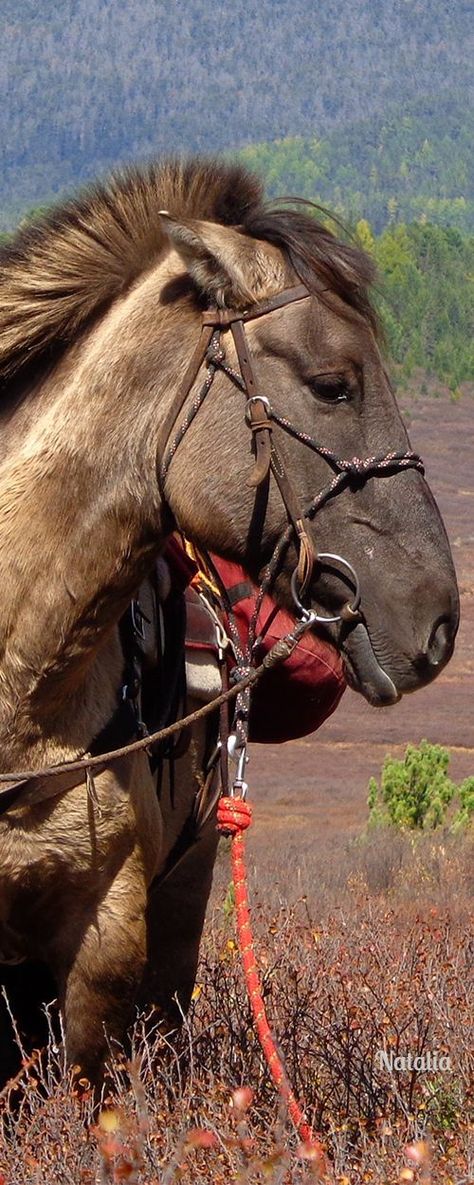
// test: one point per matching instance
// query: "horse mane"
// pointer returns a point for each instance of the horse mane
(62, 269)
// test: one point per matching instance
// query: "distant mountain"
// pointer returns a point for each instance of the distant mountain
(87, 84)
(413, 162)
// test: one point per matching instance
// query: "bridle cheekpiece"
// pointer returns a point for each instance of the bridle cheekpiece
(261, 418)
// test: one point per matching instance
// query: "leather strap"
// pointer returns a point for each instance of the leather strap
(260, 425)
(224, 729)
(266, 454)
(32, 791)
(212, 319)
(225, 317)
(187, 381)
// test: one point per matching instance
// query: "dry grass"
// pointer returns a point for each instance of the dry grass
(372, 957)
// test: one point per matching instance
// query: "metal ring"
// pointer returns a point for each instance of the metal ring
(316, 618)
(257, 399)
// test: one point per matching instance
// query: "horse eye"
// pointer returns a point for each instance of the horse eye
(332, 389)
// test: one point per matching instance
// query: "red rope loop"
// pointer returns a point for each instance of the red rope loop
(234, 815)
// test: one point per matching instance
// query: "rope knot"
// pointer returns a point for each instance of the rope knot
(234, 815)
(356, 466)
(215, 355)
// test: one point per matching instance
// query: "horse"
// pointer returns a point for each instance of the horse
(176, 352)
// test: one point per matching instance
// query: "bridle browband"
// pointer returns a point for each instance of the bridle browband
(261, 418)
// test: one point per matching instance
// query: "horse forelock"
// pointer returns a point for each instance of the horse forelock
(324, 263)
(62, 270)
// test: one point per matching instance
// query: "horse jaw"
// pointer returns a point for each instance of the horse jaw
(363, 671)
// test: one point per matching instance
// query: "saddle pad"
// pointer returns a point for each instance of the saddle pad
(200, 625)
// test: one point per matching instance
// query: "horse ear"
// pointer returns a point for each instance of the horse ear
(224, 263)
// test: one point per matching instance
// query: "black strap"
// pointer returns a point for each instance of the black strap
(239, 592)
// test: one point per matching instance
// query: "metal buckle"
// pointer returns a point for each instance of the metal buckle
(351, 609)
(138, 618)
(257, 399)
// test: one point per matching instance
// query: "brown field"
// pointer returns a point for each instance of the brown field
(365, 943)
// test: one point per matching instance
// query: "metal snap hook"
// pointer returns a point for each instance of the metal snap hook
(348, 612)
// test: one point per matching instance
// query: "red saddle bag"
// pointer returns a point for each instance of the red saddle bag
(294, 698)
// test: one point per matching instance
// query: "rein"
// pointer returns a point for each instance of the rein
(29, 779)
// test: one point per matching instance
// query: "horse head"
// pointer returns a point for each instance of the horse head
(318, 372)
(103, 306)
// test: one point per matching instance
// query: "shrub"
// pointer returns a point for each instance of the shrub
(415, 793)
(465, 814)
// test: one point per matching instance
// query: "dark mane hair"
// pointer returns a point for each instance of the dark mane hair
(61, 270)
(316, 254)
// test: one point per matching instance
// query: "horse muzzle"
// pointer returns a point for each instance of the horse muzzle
(363, 670)
(382, 677)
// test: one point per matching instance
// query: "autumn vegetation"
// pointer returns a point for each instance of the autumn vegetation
(375, 955)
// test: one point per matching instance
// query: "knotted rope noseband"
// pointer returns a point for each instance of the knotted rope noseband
(261, 418)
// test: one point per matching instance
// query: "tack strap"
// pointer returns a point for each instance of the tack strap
(83, 768)
(226, 317)
(260, 425)
(187, 381)
(30, 790)
(267, 458)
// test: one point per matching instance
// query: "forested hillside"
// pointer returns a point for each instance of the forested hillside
(362, 107)
(426, 298)
(85, 84)
(413, 162)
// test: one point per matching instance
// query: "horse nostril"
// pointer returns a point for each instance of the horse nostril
(440, 644)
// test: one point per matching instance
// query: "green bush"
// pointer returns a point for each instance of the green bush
(465, 814)
(415, 793)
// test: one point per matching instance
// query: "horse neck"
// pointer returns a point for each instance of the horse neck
(80, 524)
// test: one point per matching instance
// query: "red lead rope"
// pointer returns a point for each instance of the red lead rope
(234, 815)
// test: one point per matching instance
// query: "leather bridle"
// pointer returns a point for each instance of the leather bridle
(261, 419)
(35, 785)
